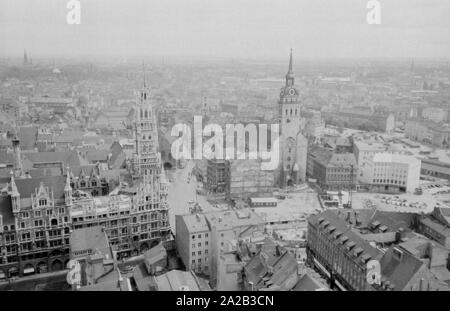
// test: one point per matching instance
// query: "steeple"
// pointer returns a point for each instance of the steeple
(290, 63)
(290, 73)
(143, 70)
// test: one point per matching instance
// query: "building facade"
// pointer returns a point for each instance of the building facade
(332, 171)
(387, 172)
(37, 214)
(203, 238)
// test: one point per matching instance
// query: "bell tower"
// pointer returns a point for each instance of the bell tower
(289, 105)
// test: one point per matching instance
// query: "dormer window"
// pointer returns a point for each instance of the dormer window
(350, 245)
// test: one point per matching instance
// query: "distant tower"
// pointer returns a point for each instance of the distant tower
(204, 108)
(68, 189)
(25, 58)
(147, 161)
(292, 142)
(18, 169)
(15, 195)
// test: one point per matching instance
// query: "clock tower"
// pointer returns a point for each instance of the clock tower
(292, 145)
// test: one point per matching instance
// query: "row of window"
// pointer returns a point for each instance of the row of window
(200, 244)
(391, 181)
(200, 236)
(292, 112)
(37, 214)
(199, 253)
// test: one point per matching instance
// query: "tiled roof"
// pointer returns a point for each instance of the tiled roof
(271, 267)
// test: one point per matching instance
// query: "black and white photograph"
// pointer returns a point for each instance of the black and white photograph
(237, 148)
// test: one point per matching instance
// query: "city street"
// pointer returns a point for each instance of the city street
(182, 190)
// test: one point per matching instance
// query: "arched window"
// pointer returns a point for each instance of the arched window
(146, 113)
(142, 114)
(291, 111)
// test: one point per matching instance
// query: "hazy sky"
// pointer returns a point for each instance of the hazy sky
(236, 28)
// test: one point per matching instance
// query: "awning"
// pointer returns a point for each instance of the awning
(28, 270)
(2, 276)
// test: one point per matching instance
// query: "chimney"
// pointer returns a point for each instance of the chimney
(400, 234)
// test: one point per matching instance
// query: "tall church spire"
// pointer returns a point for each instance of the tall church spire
(290, 73)
(290, 63)
(143, 70)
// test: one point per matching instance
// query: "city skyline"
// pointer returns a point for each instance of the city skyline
(248, 29)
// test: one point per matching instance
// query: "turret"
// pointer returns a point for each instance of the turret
(68, 189)
(15, 195)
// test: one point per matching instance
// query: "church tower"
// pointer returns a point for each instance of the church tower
(290, 127)
(147, 160)
(289, 105)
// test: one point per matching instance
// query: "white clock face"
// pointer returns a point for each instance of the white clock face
(291, 92)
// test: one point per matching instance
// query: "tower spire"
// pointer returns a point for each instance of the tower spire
(143, 70)
(290, 73)
(290, 63)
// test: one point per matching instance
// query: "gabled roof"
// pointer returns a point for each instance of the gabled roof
(27, 186)
(155, 254)
(399, 270)
(270, 267)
